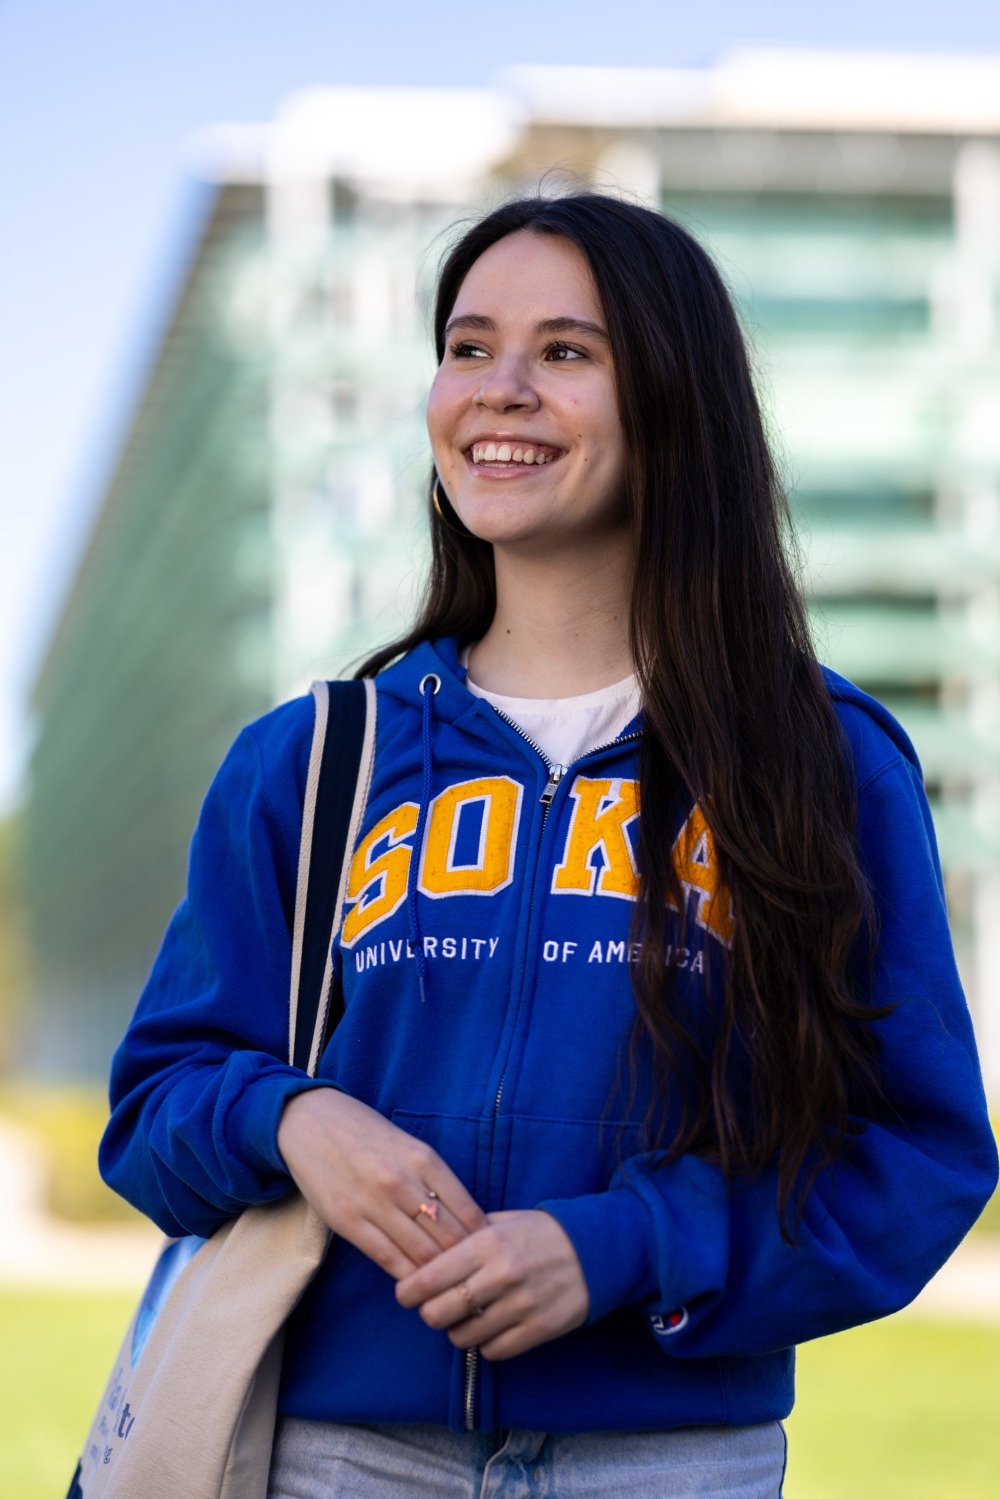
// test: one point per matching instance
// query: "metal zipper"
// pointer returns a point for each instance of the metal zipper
(518, 730)
(556, 775)
(471, 1371)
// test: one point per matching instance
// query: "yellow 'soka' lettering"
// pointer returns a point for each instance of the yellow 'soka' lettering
(377, 886)
(602, 812)
(698, 871)
(440, 875)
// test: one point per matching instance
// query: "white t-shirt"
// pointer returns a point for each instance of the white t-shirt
(564, 728)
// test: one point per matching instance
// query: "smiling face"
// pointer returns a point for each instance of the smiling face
(522, 414)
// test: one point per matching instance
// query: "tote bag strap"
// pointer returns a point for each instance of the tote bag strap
(340, 769)
(215, 1344)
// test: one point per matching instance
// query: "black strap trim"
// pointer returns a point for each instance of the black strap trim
(338, 776)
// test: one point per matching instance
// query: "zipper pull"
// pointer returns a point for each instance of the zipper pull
(556, 773)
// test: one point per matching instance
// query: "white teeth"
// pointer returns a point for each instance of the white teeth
(492, 452)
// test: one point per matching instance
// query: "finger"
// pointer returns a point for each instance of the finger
(438, 1222)
(505, 1329)
(444, 1271)
(417, 1243)
(502, 1319)
(509, 1343)
(460, 1304)
(384, 1250)
(464, 1207)
(419, 1236)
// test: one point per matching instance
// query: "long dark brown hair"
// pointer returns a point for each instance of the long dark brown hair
(738, 719)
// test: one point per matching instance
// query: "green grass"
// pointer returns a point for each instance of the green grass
(904, 1409)
(56, 1349)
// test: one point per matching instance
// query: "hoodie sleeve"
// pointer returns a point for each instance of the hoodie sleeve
(200, 1080)
(706, 1262)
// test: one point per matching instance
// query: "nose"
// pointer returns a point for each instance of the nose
(507, 386)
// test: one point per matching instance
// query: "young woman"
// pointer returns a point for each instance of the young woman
(655, 1060)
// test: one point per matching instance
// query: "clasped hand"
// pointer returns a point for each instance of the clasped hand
(502, 1282)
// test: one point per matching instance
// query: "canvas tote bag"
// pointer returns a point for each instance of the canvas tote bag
(189, 1410)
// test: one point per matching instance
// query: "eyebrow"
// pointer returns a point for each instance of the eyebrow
(478, 322)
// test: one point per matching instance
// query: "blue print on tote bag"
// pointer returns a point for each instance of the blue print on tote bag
(168, 1268)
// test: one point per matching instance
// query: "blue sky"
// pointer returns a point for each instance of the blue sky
(96, 100)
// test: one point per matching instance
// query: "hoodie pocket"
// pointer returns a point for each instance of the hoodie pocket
(455, 1137)
(535, 1158)
(517, 1161)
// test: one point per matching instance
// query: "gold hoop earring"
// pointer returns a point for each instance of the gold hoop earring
(459, 530)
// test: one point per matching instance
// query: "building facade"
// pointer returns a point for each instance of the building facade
(264, 523)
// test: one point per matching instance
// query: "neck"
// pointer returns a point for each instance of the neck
(560, 629)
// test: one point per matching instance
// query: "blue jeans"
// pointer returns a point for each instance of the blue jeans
(320, 1460)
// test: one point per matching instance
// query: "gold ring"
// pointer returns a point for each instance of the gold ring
(471, 1301)
(428, 1210)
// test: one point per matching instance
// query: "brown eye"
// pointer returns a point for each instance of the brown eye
(563, 353)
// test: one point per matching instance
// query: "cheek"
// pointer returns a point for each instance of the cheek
(433, 411)
(439, 418)
(616, 439)
(449, 398)
(608, 442)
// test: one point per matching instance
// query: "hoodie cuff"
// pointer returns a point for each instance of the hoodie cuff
(251, 1125)
(612, 1233)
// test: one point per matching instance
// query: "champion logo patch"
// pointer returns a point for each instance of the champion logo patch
(665, 1323)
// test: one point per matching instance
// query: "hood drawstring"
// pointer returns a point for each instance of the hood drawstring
(416, 941)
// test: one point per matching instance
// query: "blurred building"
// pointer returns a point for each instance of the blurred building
(263, 523)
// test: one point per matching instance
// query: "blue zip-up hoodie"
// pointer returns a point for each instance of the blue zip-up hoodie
(508, 1056)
